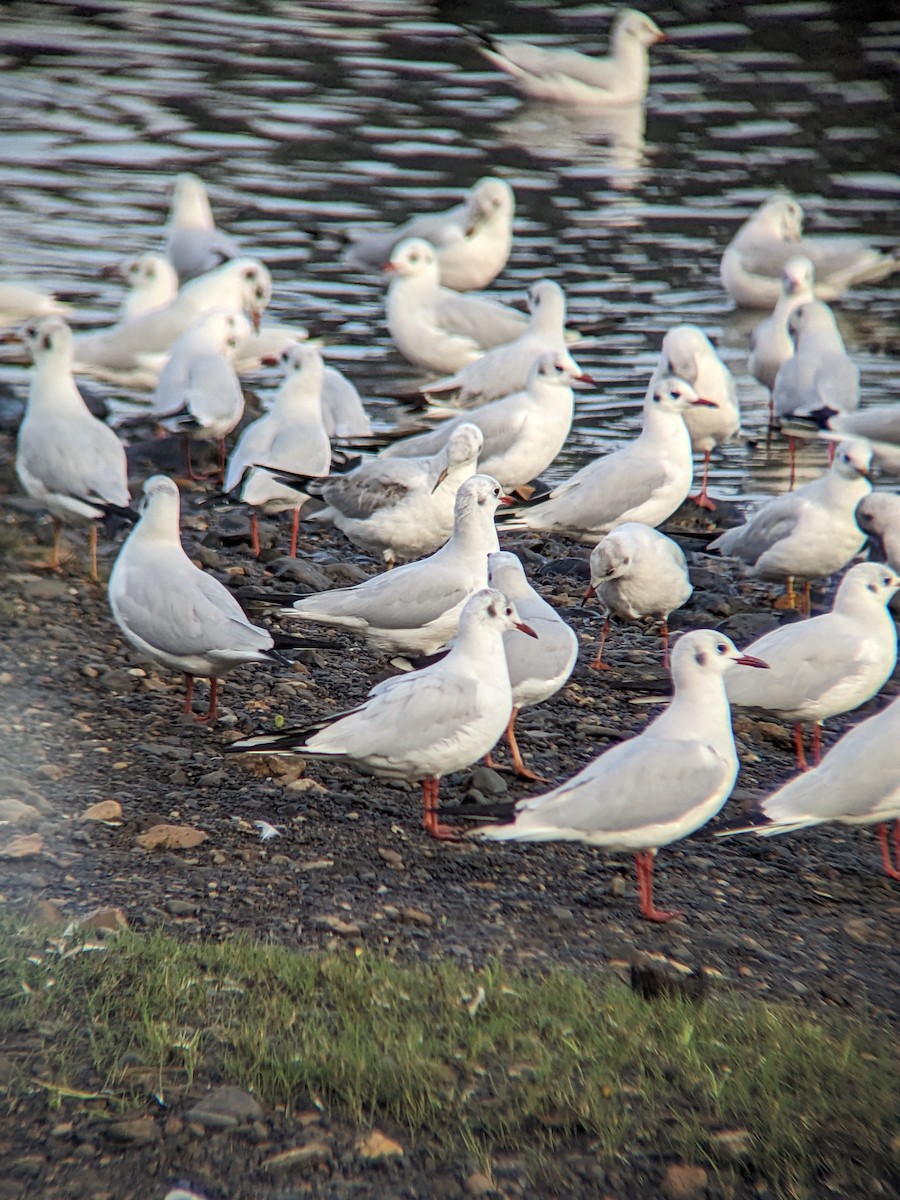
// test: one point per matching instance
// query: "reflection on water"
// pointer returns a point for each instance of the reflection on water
(304, 117)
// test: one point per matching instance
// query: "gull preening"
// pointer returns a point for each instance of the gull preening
(522, 433)
(856, 783)
(193, 244)
(645, 481)
(426, 724)
(569, 77)
(657, 787)
(828, 664)
(638, 572)
(415, 608)
(472, 240)
(401, 508)
(173, 612)
(66, 459)
(755, 258)
(809, 533)
(539, 667)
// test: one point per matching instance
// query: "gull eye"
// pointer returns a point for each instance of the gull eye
(722, 648)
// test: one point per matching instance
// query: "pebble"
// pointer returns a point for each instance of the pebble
(378, 1146)
(138, 1131)
(225, 1108)
(489, 782)
(16, 812)
(478, 1184)
(684, 1182)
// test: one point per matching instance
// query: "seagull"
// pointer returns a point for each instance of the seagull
(809, 533)
(771, 344)
(878, 424)
(401, 508)
(426, 724)
(523, 432)
(878, 516)
(291, 437)
(19, 304)
(638, 572)
(752, 264)
(829, 664)
(151, 282)
(820, 374)
(199, 392)
(657, 787)
(645, 481)
(66, 459)
(568, 77)
(537, 668)
(472, 240)
(415, 608)
(857, 783)
(193, 244)
(435, 328)
(243, 284)
(688, 353)
(504, 369)
(175, 613)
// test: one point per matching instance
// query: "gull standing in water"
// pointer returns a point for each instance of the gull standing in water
(569, 77)
(425, 724)
(70, 462)
(657, 787)
(829, 664)
(755, 258)
(771, 344)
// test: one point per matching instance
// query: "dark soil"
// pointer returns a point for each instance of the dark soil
(807, 918)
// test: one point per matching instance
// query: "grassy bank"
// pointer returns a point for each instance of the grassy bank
(508, 1060)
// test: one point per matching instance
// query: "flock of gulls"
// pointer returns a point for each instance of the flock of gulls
(498, 410)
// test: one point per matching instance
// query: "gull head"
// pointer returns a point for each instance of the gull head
(301, 359)
(852, 459)
(672, 394)
(479, 493)
(610, 559)
(48, 338)
(811, 316)
(489, 197)
(254, 285)
(864, 583)
(798, 276)
(506, 573)
(413, 257)
(547, 302)
(631, 24)
(876, 515)
(491, 609)
(706, 652)
(556, 370)
(223, 329)
(460, 450)
(782, 217)
(683, 347)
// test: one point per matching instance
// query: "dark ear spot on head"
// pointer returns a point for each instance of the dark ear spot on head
(492, 610)
(700, 658)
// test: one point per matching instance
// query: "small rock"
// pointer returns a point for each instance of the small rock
(18, 813)
(684, 1182)
(25, 846)
(45, 912)
(734, 1143)
(171, 837)
(298, 570)
(340, 926)
(138, 1131)
(45, 589)
(378, 1146)
(105, 810)
(478, 1184)
(224, 1108)
(311, 1154)
(392, 858)
(105, 918)
(416, 916)
(489, 782)
(867, 932)
(180, 908)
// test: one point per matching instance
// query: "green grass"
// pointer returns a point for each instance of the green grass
(510, 1061)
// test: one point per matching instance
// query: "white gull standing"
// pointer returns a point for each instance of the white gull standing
(569, 77)
(828, 664)
(657, 787)
(809, 533)
(820, 374)
(428, 723)
(70, 462)
(504, 369)
(539, 667)
(289, 437)
(645, 481)
(857, 783)
(638, 572)
(472, 240)
(754, 259)
(193, 244)
(415, 608)
(172, 611)
(688, 353)
(771, 344)
(523, 432)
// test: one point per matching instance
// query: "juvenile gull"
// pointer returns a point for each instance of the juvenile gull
(193, 244)
(645, 481)
(539, 667)
(829, 664)
(65, 458)
(752, 264)
(415, 608)
(569, 77)
(523, 432)
(809, 533)
(426, 724)
(472, 240)
(657, 787)
(638, 572)
(172, 611)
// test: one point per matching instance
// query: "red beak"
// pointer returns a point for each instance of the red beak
(508, 500)
(589, 591)
(701, 403)
(525, 629)
(389, 266)
(747, 660)
(586, 379)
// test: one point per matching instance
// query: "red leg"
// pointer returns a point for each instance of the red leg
(702, 499)
(802, 764)
(664, 633)
(254, 533)
(212, 711)
(597, 663)
(295, 529)
(489, 762)
(889, 869)
(644, 864)
(832, 447)
(518, 765)
(188, 692)
(817, 743)
(433, 827)
(790, 598)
